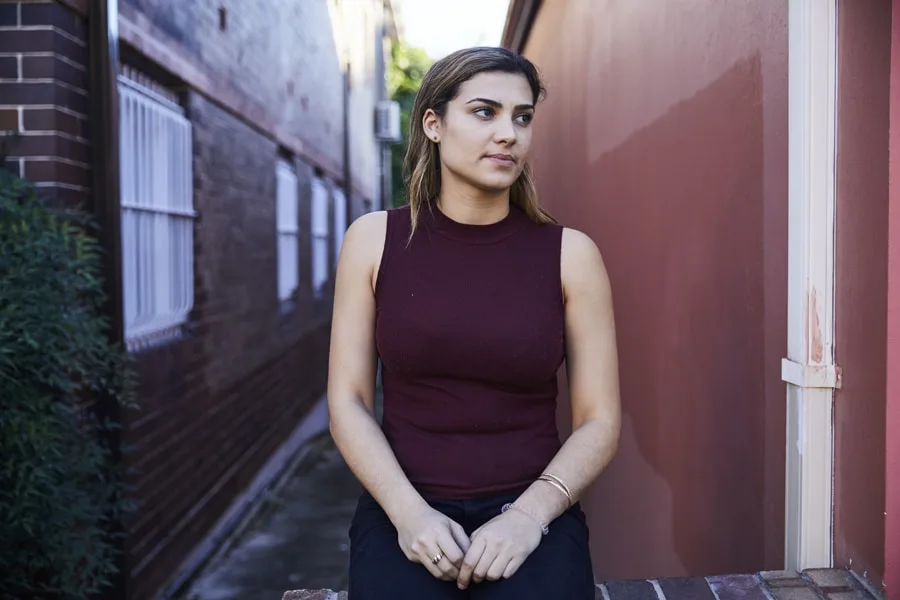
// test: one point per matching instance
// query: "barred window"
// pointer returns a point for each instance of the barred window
(157, 211)
(340, 220)
(319, 233)
(288, 229)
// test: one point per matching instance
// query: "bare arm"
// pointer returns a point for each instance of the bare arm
(351, 402)
(593, 374)
(501, 546)
(351, 372)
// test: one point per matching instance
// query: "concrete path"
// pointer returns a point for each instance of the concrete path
(298, 538)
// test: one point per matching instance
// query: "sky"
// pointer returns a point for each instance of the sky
(440, 27)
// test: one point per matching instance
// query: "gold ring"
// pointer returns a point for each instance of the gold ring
(437, 558)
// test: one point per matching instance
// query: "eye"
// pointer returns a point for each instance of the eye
(525, 118)
(484, 111)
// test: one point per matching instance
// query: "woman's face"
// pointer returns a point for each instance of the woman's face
(485, 134)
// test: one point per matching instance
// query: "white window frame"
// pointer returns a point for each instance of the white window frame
(157, 211)
(340, 219)
(287, 227)
(319, 232)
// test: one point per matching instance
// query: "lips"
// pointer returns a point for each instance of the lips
(502, 158)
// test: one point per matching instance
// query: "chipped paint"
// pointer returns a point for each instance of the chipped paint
(814, 328)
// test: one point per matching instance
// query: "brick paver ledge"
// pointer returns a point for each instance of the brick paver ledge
(813, 584)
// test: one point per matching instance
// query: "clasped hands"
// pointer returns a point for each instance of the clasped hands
(495, 550)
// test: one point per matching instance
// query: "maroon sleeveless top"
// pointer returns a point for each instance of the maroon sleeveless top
(470, 331)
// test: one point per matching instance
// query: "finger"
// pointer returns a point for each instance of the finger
(428, 562)
(469, 562)
(459, 535)
(446, 541)
(448, 570)
(513, 566)
(498, 567)
(484, 563)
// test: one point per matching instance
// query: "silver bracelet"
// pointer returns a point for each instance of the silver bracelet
(558, 484)
(512, 506)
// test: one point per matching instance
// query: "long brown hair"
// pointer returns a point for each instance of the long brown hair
(422, 165)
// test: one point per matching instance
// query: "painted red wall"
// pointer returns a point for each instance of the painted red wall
(864, 52)
(892, 466)
(664, 137)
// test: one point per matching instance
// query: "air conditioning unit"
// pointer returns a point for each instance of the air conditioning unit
(387, 121)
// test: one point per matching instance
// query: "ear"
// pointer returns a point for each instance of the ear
(431, 124)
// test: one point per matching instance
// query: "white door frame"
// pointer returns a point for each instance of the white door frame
(809, 369)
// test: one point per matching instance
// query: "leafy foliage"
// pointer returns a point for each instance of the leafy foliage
(405, 73)
(60, 492)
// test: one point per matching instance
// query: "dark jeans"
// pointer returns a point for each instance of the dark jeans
(560, 567)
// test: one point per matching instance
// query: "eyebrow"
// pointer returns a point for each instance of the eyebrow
(496, 104)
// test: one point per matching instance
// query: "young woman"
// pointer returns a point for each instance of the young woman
(472, 297)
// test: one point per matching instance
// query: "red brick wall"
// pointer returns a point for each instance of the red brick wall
(216, 402)
(43, 96)
(280, 54)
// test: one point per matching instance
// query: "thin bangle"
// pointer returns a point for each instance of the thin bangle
(558, 484)
(513, 506)
(562, 484)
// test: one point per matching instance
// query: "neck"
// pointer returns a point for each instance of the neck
(467, 204)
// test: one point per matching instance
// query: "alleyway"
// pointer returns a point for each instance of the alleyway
(298, 538)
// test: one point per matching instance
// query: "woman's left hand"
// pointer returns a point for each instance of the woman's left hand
(499, 547)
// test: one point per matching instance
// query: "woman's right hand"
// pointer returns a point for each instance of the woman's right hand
(427, 533)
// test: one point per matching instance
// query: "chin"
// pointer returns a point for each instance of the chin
(495, 183)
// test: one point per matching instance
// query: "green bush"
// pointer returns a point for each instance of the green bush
(61, 491)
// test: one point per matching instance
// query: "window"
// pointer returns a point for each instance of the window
(319, 232)
(157, 211)
(288, 247)
(340, 220)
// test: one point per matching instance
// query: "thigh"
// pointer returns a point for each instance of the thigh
(379, 569)
(560, 567)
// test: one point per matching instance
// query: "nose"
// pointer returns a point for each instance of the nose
(505, 132)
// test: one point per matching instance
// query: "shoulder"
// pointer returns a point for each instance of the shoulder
(582, 265)
(578, 247)
(367, 228)
(364, 239)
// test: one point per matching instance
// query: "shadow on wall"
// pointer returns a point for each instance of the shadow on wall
(681, 229)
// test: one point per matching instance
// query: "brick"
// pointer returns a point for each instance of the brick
(40, 40)
(44, 93)
(786, 583)
(830, 578)
(686, 588)
(9, 119)
(794, 593)
(66, 197)
(312, 595)
(50, 170)
(51, 145)
(776, 575)
(12, 166)
(9, 14)
(9, 67)
(635, 589)
(56, 15)
(737, 587)
(50, 67)
(48, 119)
